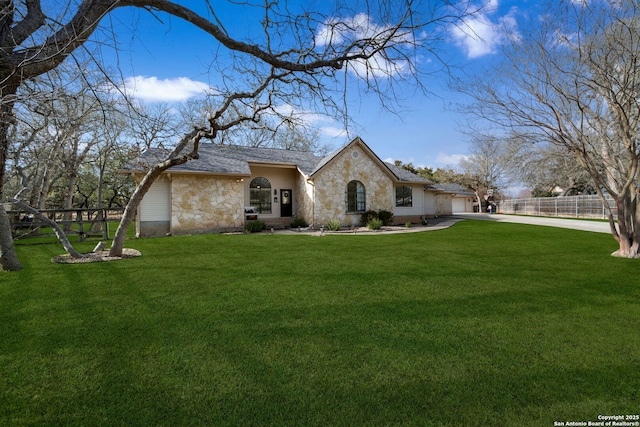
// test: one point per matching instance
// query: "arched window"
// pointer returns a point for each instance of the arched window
(260, 195)
(354, 197)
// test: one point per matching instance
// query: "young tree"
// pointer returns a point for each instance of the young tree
(484, 171)
(573, 80)
(294, 57)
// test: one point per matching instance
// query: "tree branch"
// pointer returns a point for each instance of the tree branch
(56, 228)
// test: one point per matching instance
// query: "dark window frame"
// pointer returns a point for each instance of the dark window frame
(355, 197)
(260, 195)
(404, 196)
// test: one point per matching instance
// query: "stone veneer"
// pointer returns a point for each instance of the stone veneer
(331, 183)
(303, 199)
(201, 204)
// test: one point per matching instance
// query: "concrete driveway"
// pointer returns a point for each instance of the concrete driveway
(575, 224)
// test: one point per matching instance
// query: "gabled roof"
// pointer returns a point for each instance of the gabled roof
(455, 189)
(407, 176)
(359, 142)
(237, 160)
(231, 159)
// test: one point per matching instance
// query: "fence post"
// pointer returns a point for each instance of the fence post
(105, 224)
(81, 235)
(539, 207)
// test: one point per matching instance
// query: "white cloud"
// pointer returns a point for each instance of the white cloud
(170, 90)
(332, 131)
(378, 66)
(336, 32)
(481, 35)
(304, 116)
(450, 159)
(491, 5)
(322, 122)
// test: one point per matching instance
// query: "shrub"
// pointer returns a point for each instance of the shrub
(407, 224)
(385, 216)
(374, 224)
(333, 225)
(367, 216)
(299, 222)
(254, 226)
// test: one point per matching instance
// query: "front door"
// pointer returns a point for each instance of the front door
(286, 207)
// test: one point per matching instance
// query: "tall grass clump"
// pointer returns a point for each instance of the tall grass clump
(254, 226)
(334, 225)
(374, 224)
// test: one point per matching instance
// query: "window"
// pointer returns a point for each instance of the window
(260, 195)
(354, 197)
(404, 196)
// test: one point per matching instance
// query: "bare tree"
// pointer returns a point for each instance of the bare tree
(573, 80)
(152, 125)
(298, 55)
(546, 169)
(484, 170)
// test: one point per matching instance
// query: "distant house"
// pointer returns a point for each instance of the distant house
(229, 185)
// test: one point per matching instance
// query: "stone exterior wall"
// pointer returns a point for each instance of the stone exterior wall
(331, 182)
(204, 204)
(443, 204)
(303, 199)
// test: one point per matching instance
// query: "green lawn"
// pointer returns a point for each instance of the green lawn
(483, 323)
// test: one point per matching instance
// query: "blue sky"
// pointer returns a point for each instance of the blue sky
(165, 59)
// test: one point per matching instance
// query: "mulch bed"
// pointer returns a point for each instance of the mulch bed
(99, 256)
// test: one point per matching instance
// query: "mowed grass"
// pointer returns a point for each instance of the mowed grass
(479, 324)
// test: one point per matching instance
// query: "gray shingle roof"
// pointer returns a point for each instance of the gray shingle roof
(235, 160)
(232, 159)
(453, 188)
(405, 175)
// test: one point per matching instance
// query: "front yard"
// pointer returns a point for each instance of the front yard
(479, 324)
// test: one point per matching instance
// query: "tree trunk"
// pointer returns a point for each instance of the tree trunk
(8, 258)
(479, 201)
(44, 187)
(66, 244)
(72, 179)
(628, 231)
(141, 189)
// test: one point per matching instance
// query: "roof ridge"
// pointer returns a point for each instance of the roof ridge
(249, 147)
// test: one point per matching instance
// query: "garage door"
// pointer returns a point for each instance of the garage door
(458, 205)
(155, 210)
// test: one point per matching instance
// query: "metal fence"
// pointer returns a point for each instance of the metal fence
(571, 206)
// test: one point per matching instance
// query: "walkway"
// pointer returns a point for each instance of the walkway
(432, 225)
(447, 221)
(575, 224)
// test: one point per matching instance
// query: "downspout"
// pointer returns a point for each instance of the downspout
(313, 203)
(169, 178)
